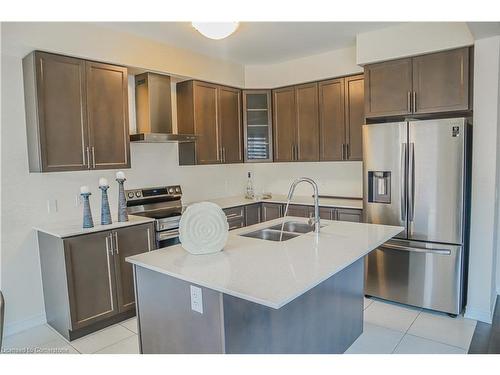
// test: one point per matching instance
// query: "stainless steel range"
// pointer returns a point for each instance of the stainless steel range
(162, 203)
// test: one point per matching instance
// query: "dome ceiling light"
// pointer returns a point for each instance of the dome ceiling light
(215, 30)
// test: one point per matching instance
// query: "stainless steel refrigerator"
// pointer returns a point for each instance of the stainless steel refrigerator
(416, 176)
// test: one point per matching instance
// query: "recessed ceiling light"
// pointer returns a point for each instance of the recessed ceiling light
(215, 30)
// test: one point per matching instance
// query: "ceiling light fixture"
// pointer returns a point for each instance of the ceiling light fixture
(215, 30)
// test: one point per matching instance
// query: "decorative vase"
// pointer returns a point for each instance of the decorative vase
(87, 214)
(122, 203)
(105, 211)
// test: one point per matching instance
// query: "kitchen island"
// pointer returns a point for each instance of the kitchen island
(302, 295)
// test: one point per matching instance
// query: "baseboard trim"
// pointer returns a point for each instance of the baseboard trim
(480, 315)
(22, 325)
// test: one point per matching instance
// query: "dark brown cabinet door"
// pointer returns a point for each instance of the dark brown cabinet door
(60, 110)
(348, 214)
(107, 108)
(300, 211)
(205, 123)
(90, 274)
(128, 242)
(307, 148)
(271, 211)
(327, 213)
(388, 88)
(284, 124)
(441, 82)
(230, 125)
(331, 110)
(252, 214)
(354, 116)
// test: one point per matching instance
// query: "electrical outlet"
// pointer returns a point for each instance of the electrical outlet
(51, 205)
(196, 299)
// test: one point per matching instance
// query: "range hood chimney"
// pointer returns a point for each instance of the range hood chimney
(153, 108)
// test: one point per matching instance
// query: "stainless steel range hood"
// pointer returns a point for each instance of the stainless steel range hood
(153, 108)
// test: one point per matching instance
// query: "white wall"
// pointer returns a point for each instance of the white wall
(409, 39)
(484, 215)
(335, 63)
(88, 40)
(25, 195)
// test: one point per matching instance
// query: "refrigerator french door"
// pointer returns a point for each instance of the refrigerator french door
(415, 177)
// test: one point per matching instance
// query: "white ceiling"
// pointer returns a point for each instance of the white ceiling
(255, 42)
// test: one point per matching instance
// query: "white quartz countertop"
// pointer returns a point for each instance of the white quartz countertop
(267, 272)
(281, 198)
(72, 228)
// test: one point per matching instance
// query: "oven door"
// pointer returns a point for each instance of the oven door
(167, 238)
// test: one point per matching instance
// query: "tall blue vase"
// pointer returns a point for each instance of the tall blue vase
(105, 211)
(87, 214)
(122, 203)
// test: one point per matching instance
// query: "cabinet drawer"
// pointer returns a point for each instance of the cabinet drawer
(235, 213)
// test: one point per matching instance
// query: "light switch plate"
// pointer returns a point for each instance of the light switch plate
(51, 206)
(196, 299)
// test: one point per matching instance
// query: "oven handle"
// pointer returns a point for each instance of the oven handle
(168, 234)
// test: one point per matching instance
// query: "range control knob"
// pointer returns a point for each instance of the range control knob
(171, 190)
(138, 194)
(177, 189)
(130, 194)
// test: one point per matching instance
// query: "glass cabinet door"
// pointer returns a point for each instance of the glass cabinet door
(257, 125)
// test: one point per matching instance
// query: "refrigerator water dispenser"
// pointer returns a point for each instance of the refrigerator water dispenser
(379, 187)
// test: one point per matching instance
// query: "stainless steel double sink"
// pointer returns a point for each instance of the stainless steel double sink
(291, 229)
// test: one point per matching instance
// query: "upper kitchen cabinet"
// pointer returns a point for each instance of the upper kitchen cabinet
(432, 83)
(284, 124)
(441, 82)
(341, 111)
(230, 125)
(332, 119)
(296, 123)
(354, 116)
(76, 114)
(257, 125)
(107, 111)
(388, 88)
(213, 114)
(307, 144)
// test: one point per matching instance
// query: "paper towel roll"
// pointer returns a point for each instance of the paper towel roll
(203, 228)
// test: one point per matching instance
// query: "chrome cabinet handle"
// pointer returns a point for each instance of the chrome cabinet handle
(408, 103)
(115, 235)
(93, 157)
(109, 248)
(403, 185)
(296, 152)
(232, 216)
(293, 152)
(416, 249)
(88, 157)
(414, 101)
(347, 151)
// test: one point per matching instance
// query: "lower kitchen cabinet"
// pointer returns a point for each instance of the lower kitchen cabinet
(252, 214)
(235, 217)
(87, 284)
(349, 214)
(271, 211)
(299, 210)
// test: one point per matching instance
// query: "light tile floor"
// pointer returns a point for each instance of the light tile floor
(388, 328)
(394, 328)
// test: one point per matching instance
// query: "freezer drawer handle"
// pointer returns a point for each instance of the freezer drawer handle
(417, 249)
